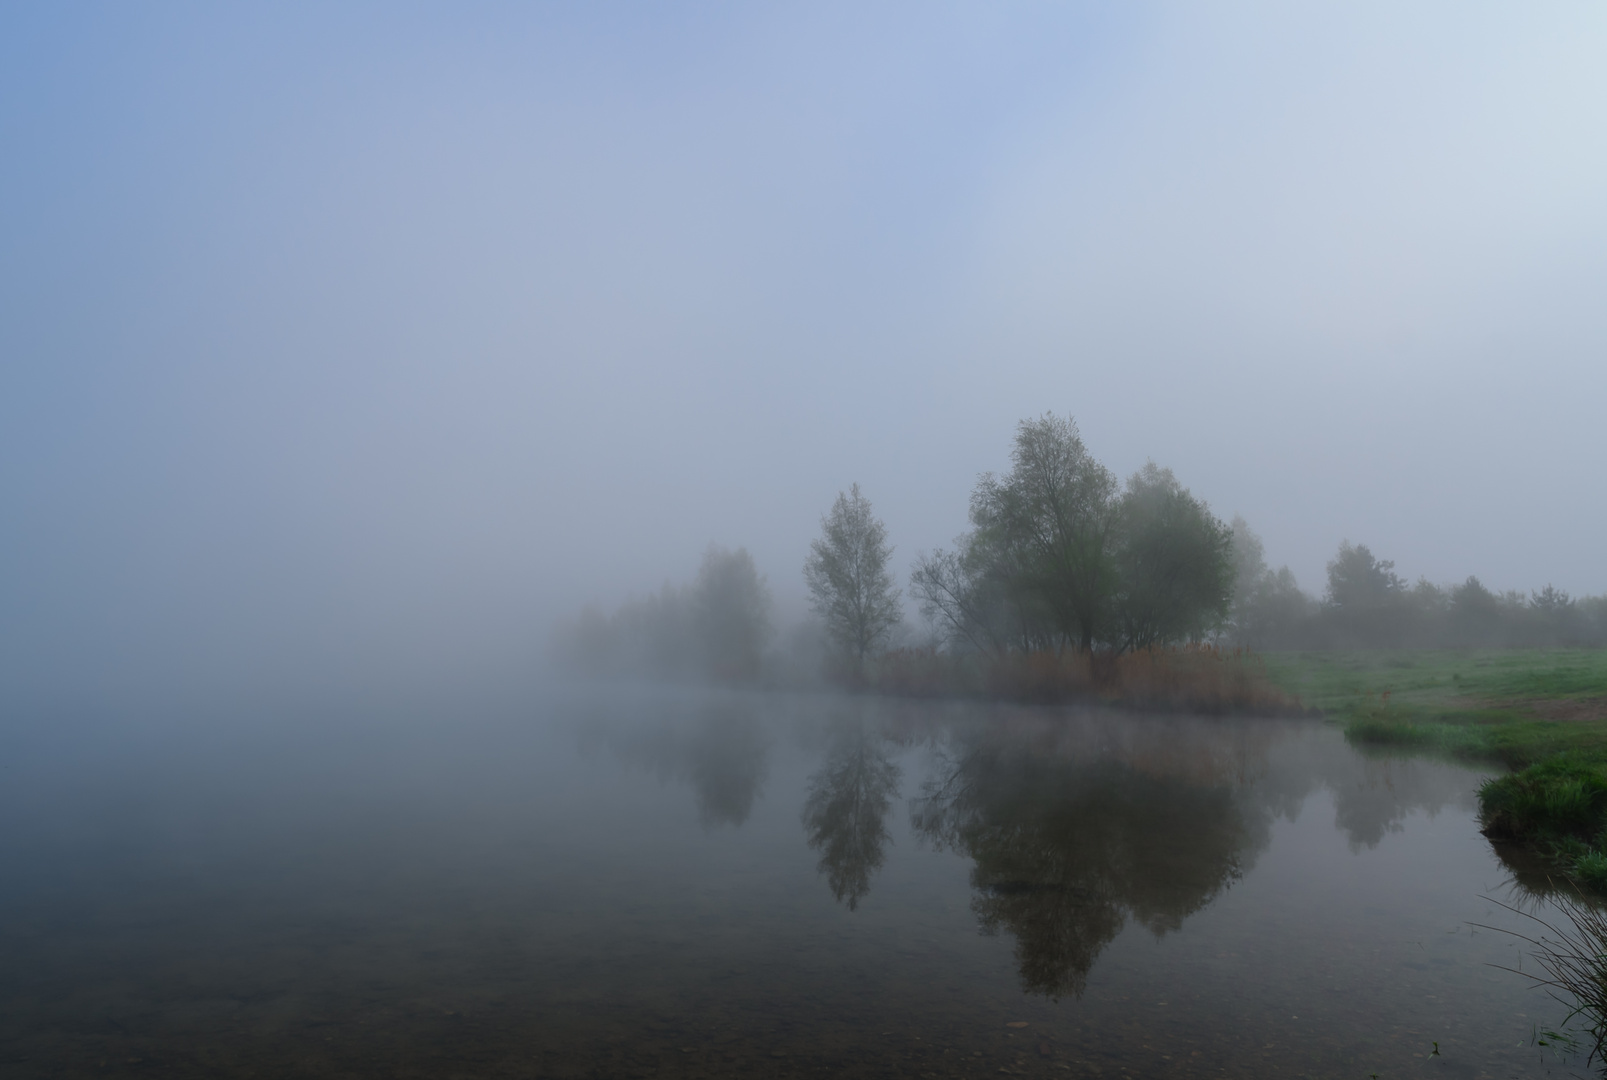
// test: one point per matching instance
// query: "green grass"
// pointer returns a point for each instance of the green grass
(1479, 703)
(1491, 705)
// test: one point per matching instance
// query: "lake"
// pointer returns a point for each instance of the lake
(636, 882)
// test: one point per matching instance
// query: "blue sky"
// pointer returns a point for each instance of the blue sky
(344, 339)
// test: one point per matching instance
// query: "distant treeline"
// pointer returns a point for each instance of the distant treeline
(717, 628)
(1062, 561)
(1368, 606)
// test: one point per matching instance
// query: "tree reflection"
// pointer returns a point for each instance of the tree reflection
(1066, 850)
(845, 813)
(720, 748)
(1375, 793)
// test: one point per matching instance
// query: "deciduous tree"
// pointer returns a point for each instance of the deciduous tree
(1358, 580)
(1174, 560)
(1045, 532)
(731, 613)
(849, 585)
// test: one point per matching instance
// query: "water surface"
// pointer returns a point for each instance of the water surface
(636, 883)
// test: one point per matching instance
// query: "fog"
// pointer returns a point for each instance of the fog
(347, 349)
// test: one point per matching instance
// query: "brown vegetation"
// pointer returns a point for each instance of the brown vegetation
(1193, 678)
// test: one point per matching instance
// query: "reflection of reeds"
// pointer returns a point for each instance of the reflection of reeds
(1574, 960)
(1188, 679)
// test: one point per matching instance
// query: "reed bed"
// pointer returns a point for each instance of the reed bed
(1196, 678)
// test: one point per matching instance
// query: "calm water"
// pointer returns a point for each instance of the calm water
(634, 884)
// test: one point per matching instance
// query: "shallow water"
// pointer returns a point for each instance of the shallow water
(664, 884)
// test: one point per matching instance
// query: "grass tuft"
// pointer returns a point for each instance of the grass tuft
(1574, 959)
(1561, 798)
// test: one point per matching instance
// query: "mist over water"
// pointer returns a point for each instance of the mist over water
(703, 883)
(455, 464)
(349, 350)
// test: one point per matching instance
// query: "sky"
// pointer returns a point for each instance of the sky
(352, 343)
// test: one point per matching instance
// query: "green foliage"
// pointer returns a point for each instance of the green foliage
(1366, 600)
(1558, 798)
(1043, 533)
(1358, 580)
(1369, 606)
(1268, 607)
(1174, 561)
(1591, 870)
(1056, 560)
(1448, 739)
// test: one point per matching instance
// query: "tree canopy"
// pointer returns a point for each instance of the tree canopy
(1044, 530)
(1174, 563)
(849, 584)
(1358, 580)
(1059, 557)
(731, 612)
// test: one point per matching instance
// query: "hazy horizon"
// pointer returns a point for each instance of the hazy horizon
(360, 343)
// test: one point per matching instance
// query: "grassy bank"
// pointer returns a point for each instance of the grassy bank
(1541, 712)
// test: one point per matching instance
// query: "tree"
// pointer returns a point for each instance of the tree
(1475, 613)
(1555, 616)
(1249, 571)
(1175, 562)
(731, 613)
(1044, 531)
(1269, 608)
(958, 597)
(1281, 610)
(1357, 580)
(1368, 603)
(849, 585)
(1551, 601)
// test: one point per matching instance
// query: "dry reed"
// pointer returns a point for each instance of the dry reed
(1197, 678)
